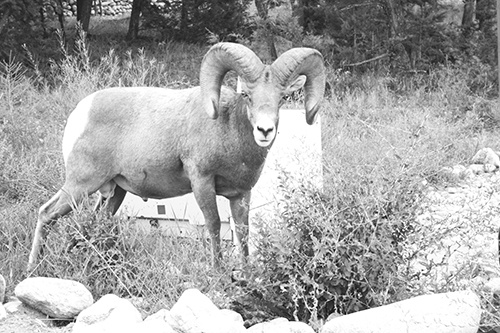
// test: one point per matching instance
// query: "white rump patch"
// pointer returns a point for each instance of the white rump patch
(76, 124)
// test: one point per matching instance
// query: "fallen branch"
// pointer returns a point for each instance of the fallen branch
(367, 61)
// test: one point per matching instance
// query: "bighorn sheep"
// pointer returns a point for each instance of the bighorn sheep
(159, 143)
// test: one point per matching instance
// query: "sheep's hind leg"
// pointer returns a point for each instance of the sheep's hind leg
(110, 197)
(59, 205)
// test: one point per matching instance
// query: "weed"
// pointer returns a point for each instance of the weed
(339, 249)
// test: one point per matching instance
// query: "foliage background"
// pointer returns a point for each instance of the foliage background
(428, 100)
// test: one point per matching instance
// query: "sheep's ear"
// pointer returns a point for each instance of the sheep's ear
(241, 85)
(211, 107)
(239, 89)
(296, 85)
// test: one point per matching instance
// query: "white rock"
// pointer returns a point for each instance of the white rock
(486, 156)
(454, 312)
(458, 169)
(109, 314)
(162, 314)
(488, 167)
(277, 325)
(195, 312)
(157, 322)
(3, 312)
(13, 306)
(156, 325)
(2, 289)
(493, 285)
(57, 298)
(232, 316)
(476, 169)
(299, 327)
(281, 325)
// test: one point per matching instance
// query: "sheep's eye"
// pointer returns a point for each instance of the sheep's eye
(284, 99)
(245, 95)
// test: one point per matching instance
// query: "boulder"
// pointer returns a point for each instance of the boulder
(476, 169)
(13, 306)
(493, 286)
(487, 157)
(3, 285)
(57, 298)
(157, 322)
(195, 312)
(25, 311)
(162, 314)
(453, 312)
(155, 325)
(281, 325)
(109, 314)
(231, 316)
(3, 312)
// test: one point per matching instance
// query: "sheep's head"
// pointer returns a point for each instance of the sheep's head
(263, 87)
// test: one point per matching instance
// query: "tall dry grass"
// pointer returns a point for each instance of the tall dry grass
(383, 138)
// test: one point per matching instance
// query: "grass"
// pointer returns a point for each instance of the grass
(383, 137)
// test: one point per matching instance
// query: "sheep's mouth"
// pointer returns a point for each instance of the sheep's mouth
(264, 142)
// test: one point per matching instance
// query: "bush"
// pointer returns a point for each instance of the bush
(338, 251)
(194, 20)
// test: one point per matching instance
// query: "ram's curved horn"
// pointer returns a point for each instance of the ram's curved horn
(308, 62)
(219, 60)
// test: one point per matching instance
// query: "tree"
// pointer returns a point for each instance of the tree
(469, 12)
(263, 12)
(133, 27)
(195, 20)
(83, 11)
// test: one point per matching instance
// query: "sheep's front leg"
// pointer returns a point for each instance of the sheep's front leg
(204, 193)
(240, 207)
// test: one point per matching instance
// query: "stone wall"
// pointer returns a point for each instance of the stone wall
(105, 7)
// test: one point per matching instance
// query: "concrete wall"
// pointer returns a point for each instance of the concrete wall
(296, 152)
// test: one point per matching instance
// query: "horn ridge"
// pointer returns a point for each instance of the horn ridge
(308, 62)
(220, 59)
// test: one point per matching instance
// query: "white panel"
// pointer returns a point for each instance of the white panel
(297, 150)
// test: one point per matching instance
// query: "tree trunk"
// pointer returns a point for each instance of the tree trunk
(83, 10)
(42, 20)
(58, 9)
(133, 27)
(469, 13)
(263, 11)
(298, 11)
(262, 8)
(4, 19)
(392, 17)
(272, 46)
(184, 18)
(497, 113)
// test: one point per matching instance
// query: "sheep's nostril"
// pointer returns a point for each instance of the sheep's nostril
(265, 131)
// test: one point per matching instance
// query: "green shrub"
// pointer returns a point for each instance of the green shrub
(336, 252)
